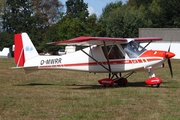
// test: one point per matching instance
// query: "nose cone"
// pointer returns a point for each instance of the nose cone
(169, 55)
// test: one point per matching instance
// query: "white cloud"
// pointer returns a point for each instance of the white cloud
(92, 11)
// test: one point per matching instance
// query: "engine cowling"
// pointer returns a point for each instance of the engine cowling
(153, 81)
(106, 82)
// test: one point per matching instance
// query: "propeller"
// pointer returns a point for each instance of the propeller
(170, 67)
(169, 61)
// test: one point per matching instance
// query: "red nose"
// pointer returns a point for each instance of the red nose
(169, 55)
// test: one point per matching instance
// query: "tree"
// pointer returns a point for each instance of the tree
(154, 13)
(124, 21)
(51, 36)
(162, 13)
(6, 40)
(22, 15)
(33, 17)
(2, 10)
(109, 8)
(169, 13)
(70, 27)
(139, 3)
(93, 27)
(77, 21)
(77, 9)
(49, 11)
(17, 16)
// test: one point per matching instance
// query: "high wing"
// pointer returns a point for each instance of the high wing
(88, 41)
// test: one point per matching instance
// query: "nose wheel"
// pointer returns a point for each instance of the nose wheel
(155, 85)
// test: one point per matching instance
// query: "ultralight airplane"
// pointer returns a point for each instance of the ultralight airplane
(102, 55)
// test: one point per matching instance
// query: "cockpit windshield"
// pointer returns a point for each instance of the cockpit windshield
(133, 49)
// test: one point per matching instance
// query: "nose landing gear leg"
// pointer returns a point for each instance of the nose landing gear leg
(153, 80)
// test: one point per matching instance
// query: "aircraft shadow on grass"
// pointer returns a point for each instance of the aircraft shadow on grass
(130, 84)
(81, 86)
(34, 84)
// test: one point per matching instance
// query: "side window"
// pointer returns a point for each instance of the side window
(113, 52)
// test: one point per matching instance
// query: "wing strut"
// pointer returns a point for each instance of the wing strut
(95, 60)
(106, 54)
(147, 44)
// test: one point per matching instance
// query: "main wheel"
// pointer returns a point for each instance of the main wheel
(122, 81)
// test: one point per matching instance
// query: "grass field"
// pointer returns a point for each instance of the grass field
(68, 95)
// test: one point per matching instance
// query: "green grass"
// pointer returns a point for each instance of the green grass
(68, 95)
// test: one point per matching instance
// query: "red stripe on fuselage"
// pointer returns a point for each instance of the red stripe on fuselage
(114, 62)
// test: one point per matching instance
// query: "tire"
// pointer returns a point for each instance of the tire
(122, 82)
(155, 85)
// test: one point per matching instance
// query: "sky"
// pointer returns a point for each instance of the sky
(96, 6)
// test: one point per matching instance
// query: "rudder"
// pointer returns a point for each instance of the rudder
(18, 52)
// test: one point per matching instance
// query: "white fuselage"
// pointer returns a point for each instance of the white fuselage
(79, 61)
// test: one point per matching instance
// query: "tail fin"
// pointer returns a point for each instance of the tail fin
(24, 49)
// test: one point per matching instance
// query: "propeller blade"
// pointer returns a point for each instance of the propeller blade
(170, 67)
(169, 47)
(169, 62)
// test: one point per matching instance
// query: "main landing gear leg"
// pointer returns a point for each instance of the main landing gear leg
(122, 80)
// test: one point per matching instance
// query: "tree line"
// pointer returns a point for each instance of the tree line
(50, 20)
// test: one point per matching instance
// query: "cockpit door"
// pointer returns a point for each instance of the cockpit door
(113, 52)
